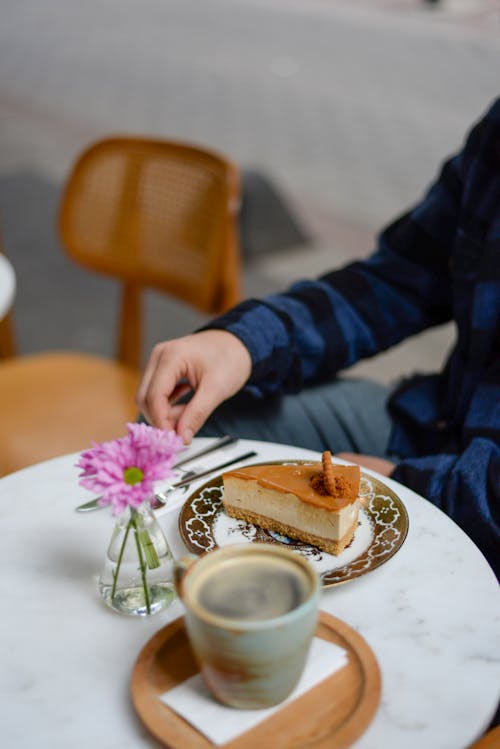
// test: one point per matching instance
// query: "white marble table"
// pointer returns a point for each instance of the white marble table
(431, 615)
(7, 285)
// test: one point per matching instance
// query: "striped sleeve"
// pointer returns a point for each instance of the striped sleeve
(319, 327)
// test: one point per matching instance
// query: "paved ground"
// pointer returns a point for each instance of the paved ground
(344, 108)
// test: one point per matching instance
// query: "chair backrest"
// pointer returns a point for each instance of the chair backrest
(157, 214)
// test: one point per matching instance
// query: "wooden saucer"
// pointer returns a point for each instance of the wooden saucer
(331, 715)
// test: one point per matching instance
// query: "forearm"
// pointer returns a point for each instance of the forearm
(291, 341)
(318, 328)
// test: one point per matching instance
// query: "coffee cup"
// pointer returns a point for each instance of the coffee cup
(250, 614)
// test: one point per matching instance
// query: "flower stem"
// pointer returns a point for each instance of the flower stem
(142, 563)
(119, 561)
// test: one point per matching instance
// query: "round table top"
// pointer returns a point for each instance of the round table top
(7, 285)
(430, 615)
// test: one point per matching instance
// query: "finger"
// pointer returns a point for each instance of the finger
(159, 409)
(179, 391)
(140, 396)
(157, 399)
(174, 414)
(205, 400)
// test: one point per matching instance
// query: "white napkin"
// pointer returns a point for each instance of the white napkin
(192, 700)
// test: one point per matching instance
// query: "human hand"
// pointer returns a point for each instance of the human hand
(214, 364)
(382, 466)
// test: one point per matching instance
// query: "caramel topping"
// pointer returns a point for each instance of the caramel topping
(333, 486)
(332, 481)
(319, 485)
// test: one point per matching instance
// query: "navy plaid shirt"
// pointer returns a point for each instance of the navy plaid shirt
(438, 262)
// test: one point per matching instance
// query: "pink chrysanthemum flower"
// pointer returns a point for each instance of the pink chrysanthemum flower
(124, 470)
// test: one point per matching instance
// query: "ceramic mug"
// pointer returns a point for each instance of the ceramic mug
(251, 613)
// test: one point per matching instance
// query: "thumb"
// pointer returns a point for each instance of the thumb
(196, 412)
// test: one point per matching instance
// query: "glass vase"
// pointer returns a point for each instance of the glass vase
(137, 576)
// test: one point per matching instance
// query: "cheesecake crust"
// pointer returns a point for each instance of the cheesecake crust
(325, 544)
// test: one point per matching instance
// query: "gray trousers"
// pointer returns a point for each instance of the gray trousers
(345, 415)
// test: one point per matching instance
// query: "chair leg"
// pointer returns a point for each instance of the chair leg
(7, 340)
(130, 328)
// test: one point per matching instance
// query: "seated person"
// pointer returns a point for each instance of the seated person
(438, 434)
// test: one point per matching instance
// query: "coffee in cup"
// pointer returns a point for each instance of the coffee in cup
(251, 613)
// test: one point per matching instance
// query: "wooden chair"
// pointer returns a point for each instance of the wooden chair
(152, 214)
(155, 214)
(57, 402)
(41, 417)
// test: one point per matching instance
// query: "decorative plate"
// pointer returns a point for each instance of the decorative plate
(382, 528)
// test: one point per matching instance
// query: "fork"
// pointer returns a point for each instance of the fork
(161, 498)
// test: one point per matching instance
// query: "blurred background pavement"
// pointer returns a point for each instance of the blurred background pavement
(338, 112)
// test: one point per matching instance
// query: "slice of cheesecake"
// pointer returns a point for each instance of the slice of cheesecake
(299, 501)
